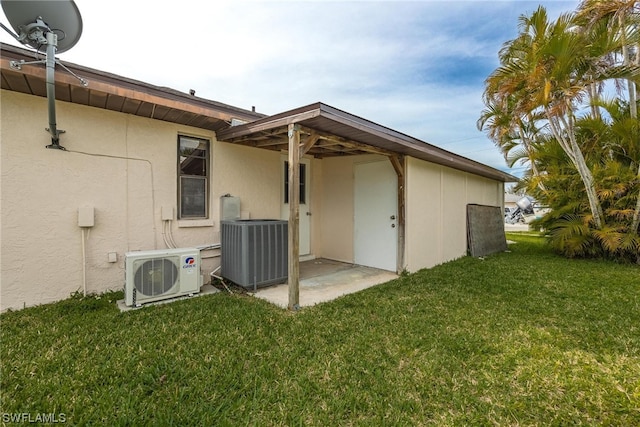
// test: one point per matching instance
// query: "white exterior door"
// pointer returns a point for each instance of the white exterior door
(375, 216)
(305, 214)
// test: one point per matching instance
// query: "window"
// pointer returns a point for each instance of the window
(193, 177)
(303, 181)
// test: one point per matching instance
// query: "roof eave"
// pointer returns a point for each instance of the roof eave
(396, 141)
(113, 92)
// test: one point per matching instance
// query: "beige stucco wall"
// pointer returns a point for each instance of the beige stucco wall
(436, 200)
(125, 167)
(41, 191)
(337, 206)
(253, 175)
(336, 219)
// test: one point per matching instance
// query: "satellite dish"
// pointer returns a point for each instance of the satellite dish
(32, 19)
(54, 24)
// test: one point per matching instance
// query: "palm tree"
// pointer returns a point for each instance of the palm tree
(510, 121)
(514, 135)
(550, 69)
(622, 21)
(541, 72)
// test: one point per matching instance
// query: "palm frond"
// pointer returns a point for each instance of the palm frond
(571, 235)
(609, 238)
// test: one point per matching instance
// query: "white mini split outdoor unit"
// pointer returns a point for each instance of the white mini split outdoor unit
(161, 274)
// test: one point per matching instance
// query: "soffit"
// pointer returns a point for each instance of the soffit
(334, 132)
(116, 93)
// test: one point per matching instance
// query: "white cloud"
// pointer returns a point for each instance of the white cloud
(414, 66)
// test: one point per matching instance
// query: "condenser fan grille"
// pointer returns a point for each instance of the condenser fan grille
(155, 276)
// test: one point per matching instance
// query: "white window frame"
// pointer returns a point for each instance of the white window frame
(204, 175)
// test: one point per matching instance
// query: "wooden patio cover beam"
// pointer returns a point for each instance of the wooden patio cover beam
(278, 139)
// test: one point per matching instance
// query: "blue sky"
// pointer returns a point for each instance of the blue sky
(417, 67)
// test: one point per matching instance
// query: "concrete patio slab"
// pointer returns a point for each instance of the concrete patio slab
(323, 280)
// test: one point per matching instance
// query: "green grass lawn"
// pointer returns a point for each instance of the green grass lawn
(519, 338)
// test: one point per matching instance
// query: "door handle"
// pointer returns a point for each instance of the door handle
(393, 217)
(393, 226)
(308, 213)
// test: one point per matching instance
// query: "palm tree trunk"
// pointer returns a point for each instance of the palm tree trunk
(633, 106)
(635, 224)
(571, 148)
(633, 96)
(593, 94)
(589, 185)
(534, 169)
(627, 60)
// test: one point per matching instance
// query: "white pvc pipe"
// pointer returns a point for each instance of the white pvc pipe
(173, 242)
(84, 265)
(167, 242)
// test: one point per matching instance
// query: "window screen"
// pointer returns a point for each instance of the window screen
(193, 177)
(303, 181)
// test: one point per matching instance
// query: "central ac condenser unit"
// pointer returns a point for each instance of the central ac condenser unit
(254, 252)
(161, 274)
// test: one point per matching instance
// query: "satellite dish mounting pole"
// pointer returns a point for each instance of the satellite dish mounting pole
(51, 18)
(52, 44)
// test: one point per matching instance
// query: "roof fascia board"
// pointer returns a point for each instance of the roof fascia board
(121, 86)
(406, 144)
(385, 133)
(272, 122)
(438, 155)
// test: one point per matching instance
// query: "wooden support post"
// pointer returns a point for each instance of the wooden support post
(397, 161)
(294, 217)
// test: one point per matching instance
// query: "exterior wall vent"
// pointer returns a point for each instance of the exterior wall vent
(254, 252)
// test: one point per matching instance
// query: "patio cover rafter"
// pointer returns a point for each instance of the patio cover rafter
(314, 143)
(323, 131)
(342, 133)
